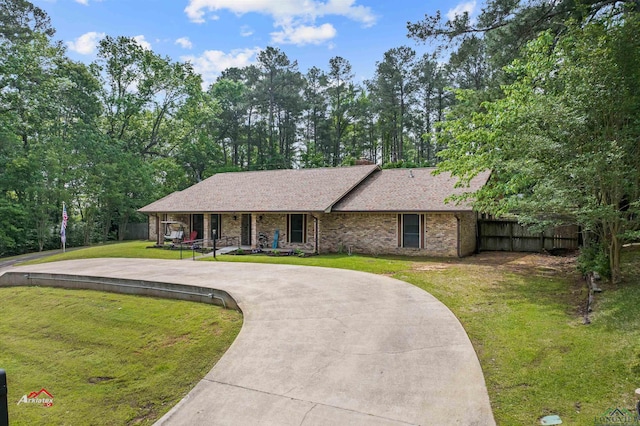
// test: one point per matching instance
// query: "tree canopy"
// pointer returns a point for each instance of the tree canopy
(563, 140)
(543, 93)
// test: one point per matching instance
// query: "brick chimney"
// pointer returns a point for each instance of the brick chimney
(364, 162)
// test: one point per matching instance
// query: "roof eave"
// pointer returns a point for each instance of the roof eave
(406, 211)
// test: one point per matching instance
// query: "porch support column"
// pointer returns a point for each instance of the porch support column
(254, 230)
(159, 231)
(205, 229)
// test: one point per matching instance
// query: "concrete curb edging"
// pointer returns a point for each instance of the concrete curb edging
(126, 286)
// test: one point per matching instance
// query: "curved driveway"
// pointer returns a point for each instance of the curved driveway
(320, 346)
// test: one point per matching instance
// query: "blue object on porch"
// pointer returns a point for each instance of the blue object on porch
(275, 239)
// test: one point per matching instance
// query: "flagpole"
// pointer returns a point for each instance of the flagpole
(63, 228)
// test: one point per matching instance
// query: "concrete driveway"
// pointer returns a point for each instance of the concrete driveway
(320, 346)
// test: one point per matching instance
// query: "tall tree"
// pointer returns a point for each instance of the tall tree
(512, 23)
(431, 100)
(279, 91)
(316, 125)
(20, 19)
(339, 79)
(230, 95)
(469, 66)
(392, 88)
(563, 142)
(142, 92)
(29, 85)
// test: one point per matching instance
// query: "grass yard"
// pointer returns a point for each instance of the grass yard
(524, 315)
(129, 249)
(106, 358)
(526, 324)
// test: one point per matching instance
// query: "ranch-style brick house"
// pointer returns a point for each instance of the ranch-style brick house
(362, 209)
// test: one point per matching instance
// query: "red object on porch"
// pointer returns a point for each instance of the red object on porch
(192, 238)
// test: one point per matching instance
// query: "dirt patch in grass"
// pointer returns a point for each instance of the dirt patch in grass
(431, 267)
(536, 263)
(525, 262)
(547, 266)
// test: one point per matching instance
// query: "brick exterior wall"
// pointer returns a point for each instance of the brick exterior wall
(153, 235)
(378, 234)
(441, 235)
(270, 222)
(367, 233)
(468, 233)
(358, 233)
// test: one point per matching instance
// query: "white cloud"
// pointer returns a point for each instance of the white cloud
(295, 19)
(85, 2)
(142, 42)
(346, 8)
(184, 42)
(212, 62)
(304, 34)
(309, 9)
(461, 8)
(246, 31)
(86, 44)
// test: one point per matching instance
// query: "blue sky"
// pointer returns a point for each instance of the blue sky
(217, 34)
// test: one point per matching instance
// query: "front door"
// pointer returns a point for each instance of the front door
(245, 237)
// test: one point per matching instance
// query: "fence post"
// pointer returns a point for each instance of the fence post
(510, 236)
(4, 407)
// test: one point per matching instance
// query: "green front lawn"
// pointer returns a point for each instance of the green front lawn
(106, 358)
(524, 315)
(129, 249)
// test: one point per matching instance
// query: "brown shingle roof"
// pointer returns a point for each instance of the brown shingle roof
(395, 190)
(300, 190)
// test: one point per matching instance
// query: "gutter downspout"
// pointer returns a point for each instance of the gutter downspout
(458, 237)
(478, 236)
(315, 227)
(158, 229)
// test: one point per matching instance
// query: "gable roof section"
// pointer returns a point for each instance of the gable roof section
(298, 190)
(395, 190)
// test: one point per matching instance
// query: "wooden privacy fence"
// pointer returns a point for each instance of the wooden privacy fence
(137, 231)
(506, 235)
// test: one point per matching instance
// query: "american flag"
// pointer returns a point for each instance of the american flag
(63, 227)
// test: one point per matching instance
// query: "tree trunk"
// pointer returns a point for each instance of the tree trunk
(614, 259)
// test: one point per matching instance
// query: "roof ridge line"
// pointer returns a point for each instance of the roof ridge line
(374, 168)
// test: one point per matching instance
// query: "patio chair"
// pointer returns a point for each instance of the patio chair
(192, 238)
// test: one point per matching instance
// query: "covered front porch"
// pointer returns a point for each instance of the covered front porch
(280, 231)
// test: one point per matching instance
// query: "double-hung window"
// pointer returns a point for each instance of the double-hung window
(409, 230)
